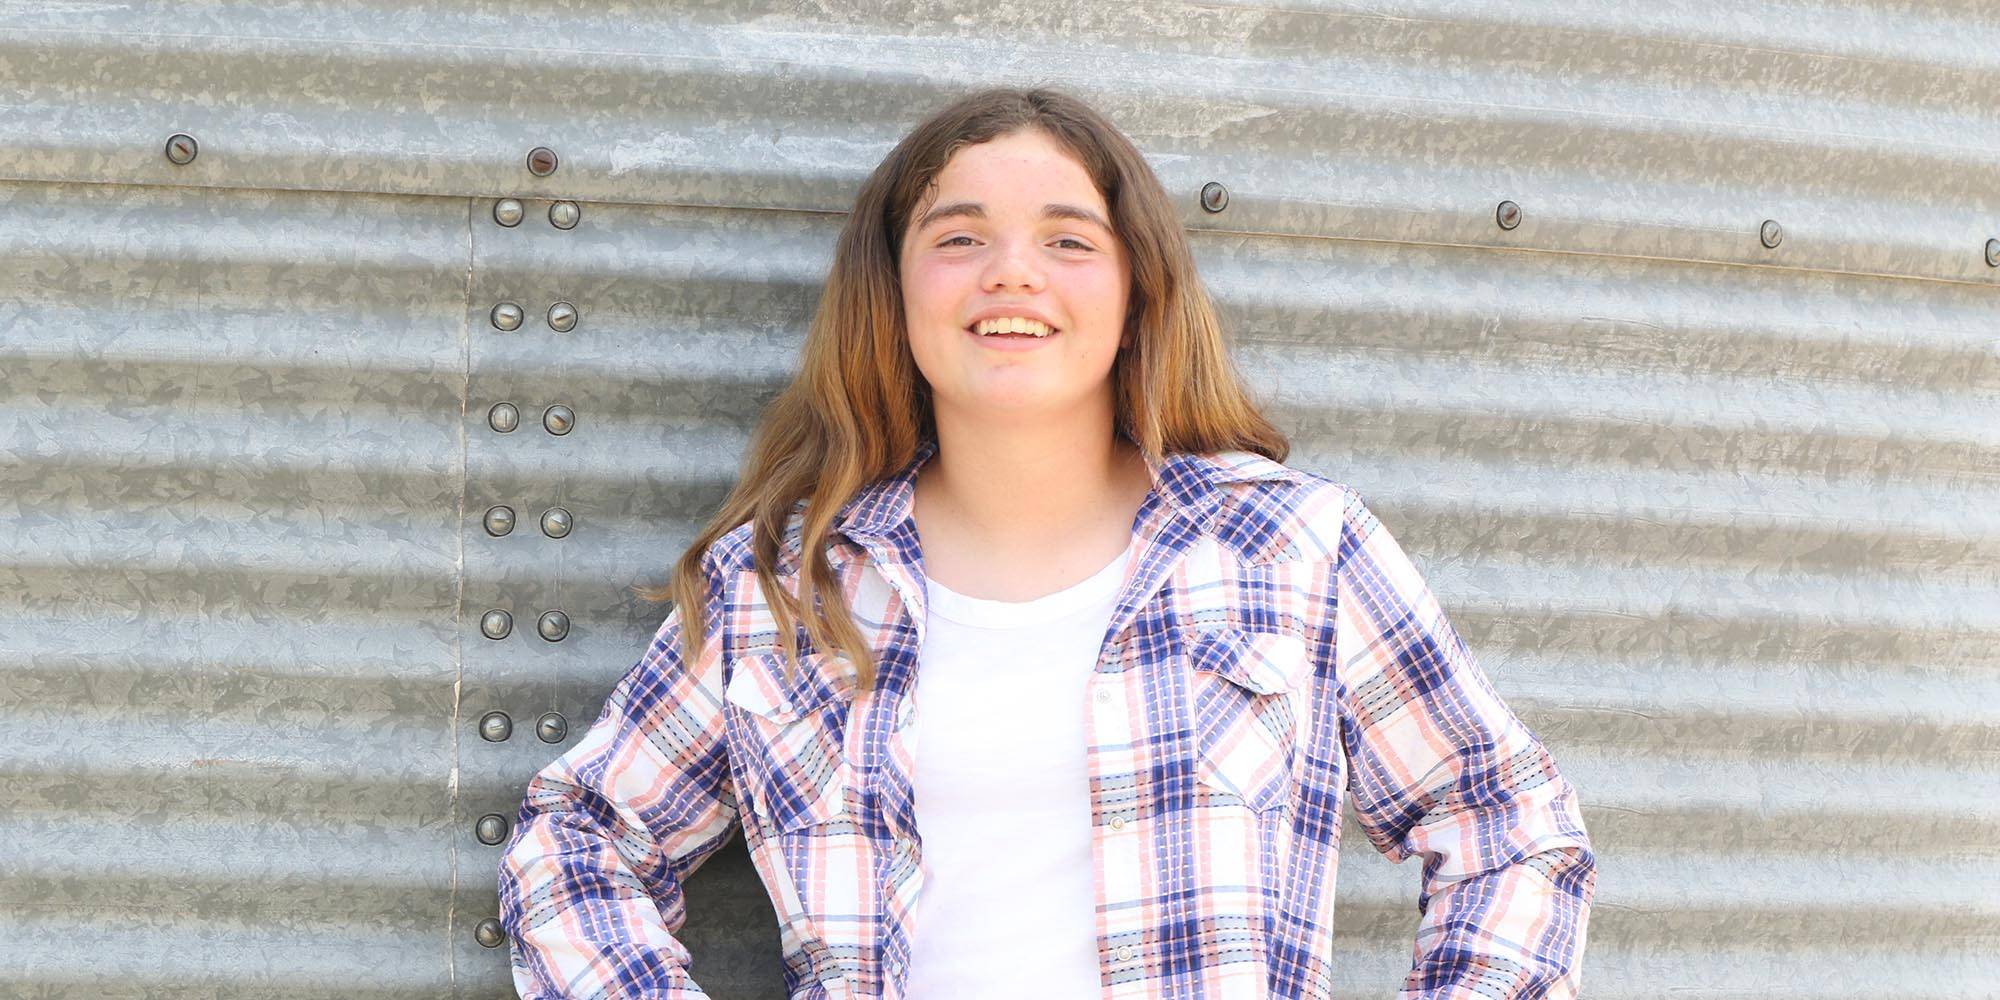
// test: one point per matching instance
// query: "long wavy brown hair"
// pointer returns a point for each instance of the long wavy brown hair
(858, 407)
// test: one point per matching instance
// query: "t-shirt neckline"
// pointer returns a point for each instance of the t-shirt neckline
(1077, 597)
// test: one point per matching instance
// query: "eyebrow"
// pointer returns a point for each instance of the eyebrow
(974, 210)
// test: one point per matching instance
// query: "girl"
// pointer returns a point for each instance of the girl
(1017, 511)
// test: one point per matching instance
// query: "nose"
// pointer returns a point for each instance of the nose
(1011, 265)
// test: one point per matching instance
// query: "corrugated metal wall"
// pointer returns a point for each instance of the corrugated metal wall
(1720, 517)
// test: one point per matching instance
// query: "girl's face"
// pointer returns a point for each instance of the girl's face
(1015, 229)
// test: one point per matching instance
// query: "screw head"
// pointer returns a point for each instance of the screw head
(556, 522)
(489, 933)
(496, 624)
(552, 728)
(1771, 233)
(181, 148)
(1993, 253)
(564, 214)
(495, 727)
(1214, 197)
(506, 316)
(558, 419)
(499, 520)
(491, 829)
(553, 625)
(507, 212)
(541, 161)
(562, 317)
(503, 417)
(1507, 215)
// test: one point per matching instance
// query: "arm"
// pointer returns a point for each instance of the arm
(590, 882)
(1439, 766)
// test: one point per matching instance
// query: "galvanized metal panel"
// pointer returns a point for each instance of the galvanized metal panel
(1725, 535)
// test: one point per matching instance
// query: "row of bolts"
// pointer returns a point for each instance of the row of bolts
(542, 161)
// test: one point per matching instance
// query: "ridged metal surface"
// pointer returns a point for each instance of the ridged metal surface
(1722, 520)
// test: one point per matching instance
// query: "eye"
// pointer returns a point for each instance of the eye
(1080, 245)
(954, 240)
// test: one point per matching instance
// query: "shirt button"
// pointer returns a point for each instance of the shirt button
(1118, 822)
(1125, 952)
(1104, 696)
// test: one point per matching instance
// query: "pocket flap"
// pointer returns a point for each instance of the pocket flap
(1264, 662)
(757, 684)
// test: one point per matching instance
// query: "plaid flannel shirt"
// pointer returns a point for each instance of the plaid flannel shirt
(1273, 653)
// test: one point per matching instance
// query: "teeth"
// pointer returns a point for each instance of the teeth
(1011, 324)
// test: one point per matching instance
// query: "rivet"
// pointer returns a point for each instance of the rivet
(507, 212)
(1214, 196)
(1771, 233)
(181, 148)
(1507, 215)
(558, 419)
(506, 316)
(489, 934)
(541, 161)
(495, 727)
(552, 727)
(491, 829)
(503, 417)
(499, 520)
(496, 624)
(553, 625)
(556, 522)
(564, 214)
(562, 317)
(1993, 253)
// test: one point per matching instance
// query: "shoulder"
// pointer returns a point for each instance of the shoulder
(731, 553)
(1275, 512)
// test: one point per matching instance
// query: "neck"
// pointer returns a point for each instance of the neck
(1030, 484)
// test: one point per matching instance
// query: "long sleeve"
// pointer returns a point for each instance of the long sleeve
(590, 881)
(1439, 766)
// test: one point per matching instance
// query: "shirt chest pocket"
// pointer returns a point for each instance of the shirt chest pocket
(787, 739)
(1245, 697)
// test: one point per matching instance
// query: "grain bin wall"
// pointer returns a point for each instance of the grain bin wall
(1667, 338)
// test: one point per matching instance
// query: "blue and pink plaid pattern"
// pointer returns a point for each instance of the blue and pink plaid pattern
(1273, 654)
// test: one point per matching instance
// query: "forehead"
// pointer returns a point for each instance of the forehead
(1022, 171)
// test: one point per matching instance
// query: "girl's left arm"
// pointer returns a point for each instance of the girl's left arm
(1439, 766)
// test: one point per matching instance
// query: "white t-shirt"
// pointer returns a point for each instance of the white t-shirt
(1003, 794)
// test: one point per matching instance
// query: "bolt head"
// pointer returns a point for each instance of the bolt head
(507, 212)
(1770, 233)
(503, 417)
(1507, 215)
(556, 522)
(552, 728)
(558, 419)
(1993, 253)
(541, 161)
(553, 626)
(562, 317)
(1214, 196)
(496, 624)
(499, 520)
(182, 149)
(495, 727)
(564, 214)
(489, 933)
(491, 829)
(506, 316)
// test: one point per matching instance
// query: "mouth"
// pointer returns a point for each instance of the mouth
(973, 329)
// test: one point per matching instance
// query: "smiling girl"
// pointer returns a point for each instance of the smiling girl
(1025, 665)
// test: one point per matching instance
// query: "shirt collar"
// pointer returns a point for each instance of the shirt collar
(1195, 484)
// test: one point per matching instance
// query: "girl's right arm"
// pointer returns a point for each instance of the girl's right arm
(590, 881)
